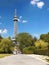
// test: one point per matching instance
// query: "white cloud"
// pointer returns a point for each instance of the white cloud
(40, 4)
(19, 20)
(33, 2)
(20, 17)
(37, 0)
(0, 31)
(24, 21)
(3, 31)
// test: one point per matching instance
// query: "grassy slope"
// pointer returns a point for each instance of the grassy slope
(3, 55)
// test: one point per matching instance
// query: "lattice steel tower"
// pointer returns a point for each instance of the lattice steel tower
(15, 19)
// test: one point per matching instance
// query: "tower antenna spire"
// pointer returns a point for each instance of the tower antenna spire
(15, 13)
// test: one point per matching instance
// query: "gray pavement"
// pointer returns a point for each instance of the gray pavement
(20, 59)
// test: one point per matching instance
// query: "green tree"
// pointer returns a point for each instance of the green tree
(41, 47)
(25, 40)
(34, 40)
(29, 50)
(45, 37)
(6, 46)
(1, 38)
(41, 44)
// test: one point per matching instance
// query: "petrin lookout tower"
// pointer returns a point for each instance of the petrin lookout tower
(15, 19)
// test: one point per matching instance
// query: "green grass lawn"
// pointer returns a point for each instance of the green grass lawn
(3, 55)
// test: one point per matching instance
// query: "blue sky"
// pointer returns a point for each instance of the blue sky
(33, 16)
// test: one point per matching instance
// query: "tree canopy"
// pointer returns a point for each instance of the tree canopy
(45, 37)
(1, 38)
(41, 44)
(6, 46)
(24, 40)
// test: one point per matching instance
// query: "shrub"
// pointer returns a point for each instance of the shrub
(29, 50)
(41, 51)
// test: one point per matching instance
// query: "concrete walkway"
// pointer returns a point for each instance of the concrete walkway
(21, 59)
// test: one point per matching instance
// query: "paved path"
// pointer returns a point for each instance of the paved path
(20, 59)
